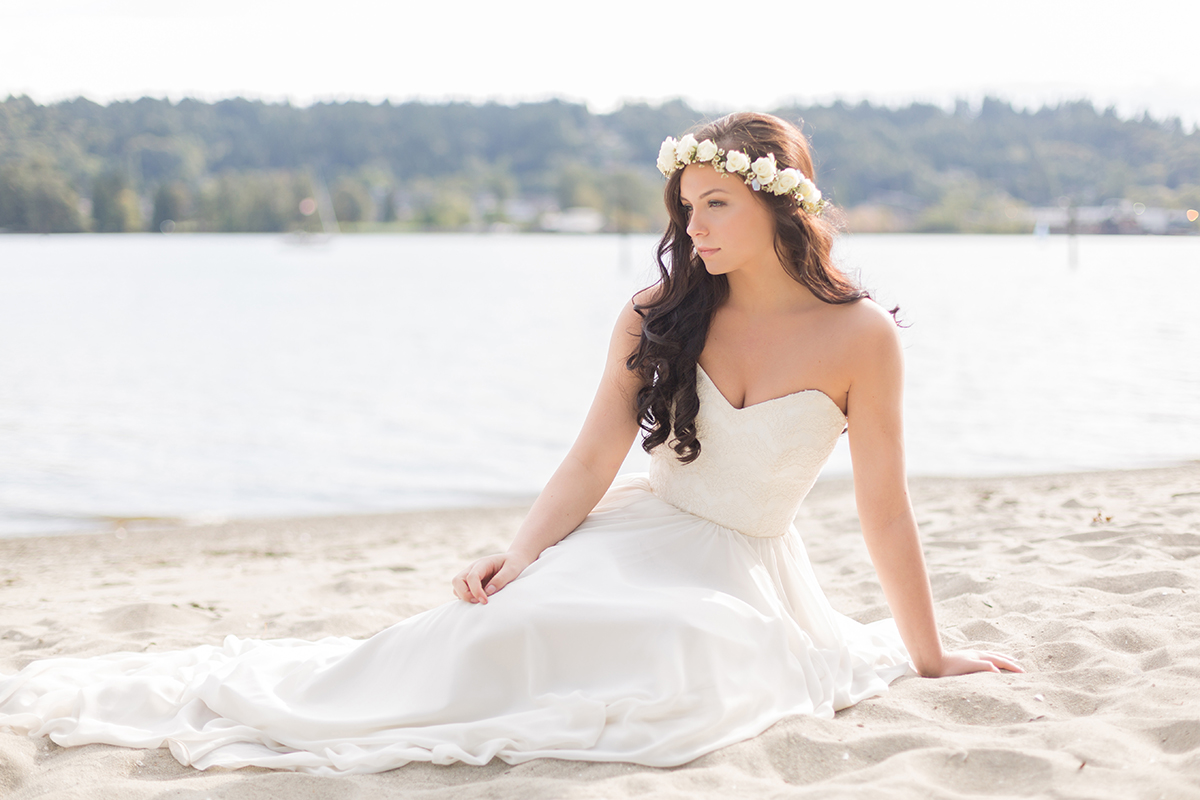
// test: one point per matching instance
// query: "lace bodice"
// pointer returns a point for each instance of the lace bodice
(756, 463)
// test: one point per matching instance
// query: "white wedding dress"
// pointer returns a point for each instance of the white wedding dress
(681, 616)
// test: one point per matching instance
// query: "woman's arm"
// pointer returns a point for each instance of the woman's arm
(875, 412)
(582, 478)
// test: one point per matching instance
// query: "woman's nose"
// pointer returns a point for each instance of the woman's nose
(694, 226)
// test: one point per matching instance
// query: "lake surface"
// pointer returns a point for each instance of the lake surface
(215, 376)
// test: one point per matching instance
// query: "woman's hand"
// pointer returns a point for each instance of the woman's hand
(582, 478)
(489, 575)
(963, 662)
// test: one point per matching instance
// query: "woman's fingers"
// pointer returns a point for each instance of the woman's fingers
(461, 590)
(469, 584)
(486, 577)
(462, 587)
(502, 577)
(995, 661)
(1001, 661)
(475, 579)
(968, 661)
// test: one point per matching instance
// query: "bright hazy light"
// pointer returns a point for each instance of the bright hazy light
(717, 55)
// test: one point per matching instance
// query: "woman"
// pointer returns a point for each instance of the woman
(652, 620)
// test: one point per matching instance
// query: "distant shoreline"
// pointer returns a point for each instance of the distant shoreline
(122, 528)
(401, 231)
(242, 165)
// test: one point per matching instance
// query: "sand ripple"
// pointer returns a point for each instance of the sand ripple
(1092, 581)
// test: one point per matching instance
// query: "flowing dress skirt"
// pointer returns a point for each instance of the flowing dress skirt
(648, 635)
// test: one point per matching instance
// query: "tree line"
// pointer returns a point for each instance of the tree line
(242, 165)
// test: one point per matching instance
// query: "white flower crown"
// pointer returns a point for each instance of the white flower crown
(762, 174)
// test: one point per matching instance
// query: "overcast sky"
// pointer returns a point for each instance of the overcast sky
(717, 55)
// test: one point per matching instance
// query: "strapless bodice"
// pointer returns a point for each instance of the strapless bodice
(756, 463)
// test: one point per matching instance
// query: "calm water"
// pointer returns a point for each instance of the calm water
(217, 376)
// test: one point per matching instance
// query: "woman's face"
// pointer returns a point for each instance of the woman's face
(729, 226)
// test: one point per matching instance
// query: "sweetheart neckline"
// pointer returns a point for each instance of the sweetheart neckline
(713, 384)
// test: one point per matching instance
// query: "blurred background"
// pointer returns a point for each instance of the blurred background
(371, 254)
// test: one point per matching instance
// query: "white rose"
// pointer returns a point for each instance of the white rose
(786, 180)
(706, 150)
(736, 161)
(816, 196)
(685, 148)
(666, 156)
(764, 169)
(807, 188)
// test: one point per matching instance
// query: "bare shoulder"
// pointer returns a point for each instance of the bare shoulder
(868, 341)
(866, 317)
(865, 325)
(630, 320)
(648, 295)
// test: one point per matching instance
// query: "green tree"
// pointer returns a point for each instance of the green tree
(446, 208)
(114, 205)
(910, 158)
(579, 186)
(389, 206)
(35, 198)
(970, 207)
(171, 202)
(352, 202)
(632, 201)
(262, 201)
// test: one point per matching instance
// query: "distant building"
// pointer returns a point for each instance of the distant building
(573, 220)
(1115, 216)
(522, 211)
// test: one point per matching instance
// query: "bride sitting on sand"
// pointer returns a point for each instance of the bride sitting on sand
(652, 619)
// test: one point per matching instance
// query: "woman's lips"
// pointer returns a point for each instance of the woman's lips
(705, 252)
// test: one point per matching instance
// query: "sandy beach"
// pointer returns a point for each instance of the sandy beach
(1091, 580)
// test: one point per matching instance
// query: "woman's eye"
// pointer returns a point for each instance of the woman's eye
(714, 203)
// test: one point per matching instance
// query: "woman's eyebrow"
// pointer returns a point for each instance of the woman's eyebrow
(704, 194)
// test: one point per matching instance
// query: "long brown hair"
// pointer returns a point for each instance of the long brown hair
(675, 321)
